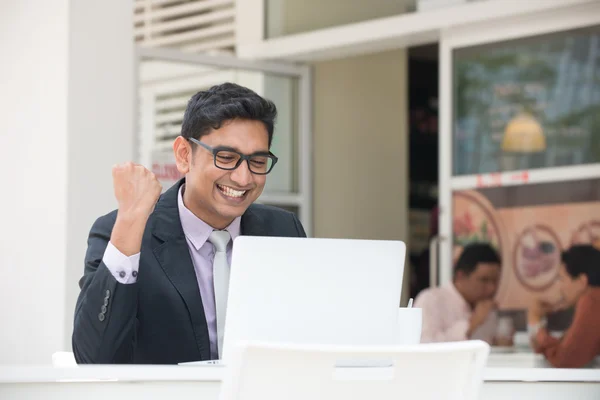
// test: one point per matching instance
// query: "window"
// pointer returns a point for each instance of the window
(528, 103)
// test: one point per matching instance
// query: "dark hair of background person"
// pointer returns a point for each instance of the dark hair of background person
(474, 254)
(583, 259)
(210, 109)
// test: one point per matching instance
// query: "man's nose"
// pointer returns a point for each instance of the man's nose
(241, 175)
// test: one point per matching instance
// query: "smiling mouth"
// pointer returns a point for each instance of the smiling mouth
(232, 193)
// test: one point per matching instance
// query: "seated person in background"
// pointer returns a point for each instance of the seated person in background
(579, 282)
(463, 309)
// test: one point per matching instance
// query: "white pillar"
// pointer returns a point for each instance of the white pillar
(66, 112)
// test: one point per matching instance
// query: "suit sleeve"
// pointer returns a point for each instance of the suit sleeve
(105, 313)
(580, 343)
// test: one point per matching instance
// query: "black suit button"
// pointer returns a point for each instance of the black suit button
(101, 317)
(103, 309)
(122, 274)
(107, 293)
(106, 301)
(134, 273)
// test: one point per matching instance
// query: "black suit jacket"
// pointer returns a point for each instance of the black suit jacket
(160, 318)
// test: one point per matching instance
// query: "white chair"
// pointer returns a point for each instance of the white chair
(449, 371)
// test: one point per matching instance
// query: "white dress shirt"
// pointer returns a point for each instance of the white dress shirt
(447, 316)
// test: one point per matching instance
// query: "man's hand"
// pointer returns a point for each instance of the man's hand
(539, 308)
(480, 314)
(137, 190)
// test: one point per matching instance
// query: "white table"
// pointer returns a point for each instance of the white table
(529, 376)
(514, 376)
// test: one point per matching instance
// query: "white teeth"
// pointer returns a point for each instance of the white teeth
(231, 192)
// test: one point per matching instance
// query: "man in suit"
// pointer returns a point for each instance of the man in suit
(151, 290)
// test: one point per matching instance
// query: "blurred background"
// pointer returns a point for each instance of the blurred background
(435, 122)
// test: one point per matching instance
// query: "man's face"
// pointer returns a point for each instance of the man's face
(215, 195)
(482, 283)
(570, 288)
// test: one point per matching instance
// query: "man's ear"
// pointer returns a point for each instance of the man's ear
(182, 149)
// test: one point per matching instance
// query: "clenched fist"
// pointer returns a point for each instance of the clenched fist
(136, 189)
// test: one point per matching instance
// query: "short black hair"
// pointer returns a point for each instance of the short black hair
(476, 253)
(583, 259)
(210, 109)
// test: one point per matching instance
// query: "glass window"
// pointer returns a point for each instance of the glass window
(286, 17)
(530, 226)
(527, 103)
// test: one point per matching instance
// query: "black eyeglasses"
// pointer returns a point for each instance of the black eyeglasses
(226, 158)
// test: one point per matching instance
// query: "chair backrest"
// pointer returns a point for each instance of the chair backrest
(450, 371)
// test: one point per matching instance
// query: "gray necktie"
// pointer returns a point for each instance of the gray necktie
(220, 239)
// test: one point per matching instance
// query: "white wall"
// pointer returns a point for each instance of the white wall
(66, 108)
(101, 120)
(361, 148)
(33, 161)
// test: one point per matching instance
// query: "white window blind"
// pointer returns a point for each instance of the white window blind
(187, 25)
(165, 89)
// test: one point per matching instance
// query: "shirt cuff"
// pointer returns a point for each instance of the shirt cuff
(124, 269)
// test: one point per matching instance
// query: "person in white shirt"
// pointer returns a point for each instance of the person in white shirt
(463, 309)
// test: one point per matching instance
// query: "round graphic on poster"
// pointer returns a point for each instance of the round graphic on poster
(473, 221)
(536, 257)
(587, 233)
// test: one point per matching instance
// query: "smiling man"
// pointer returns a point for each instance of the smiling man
(156, 272)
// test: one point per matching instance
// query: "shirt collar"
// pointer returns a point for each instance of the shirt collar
(196, 230)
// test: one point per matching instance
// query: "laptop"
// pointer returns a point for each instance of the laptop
(313, 291)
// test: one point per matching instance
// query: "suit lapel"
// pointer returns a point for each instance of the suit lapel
(171, 250)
